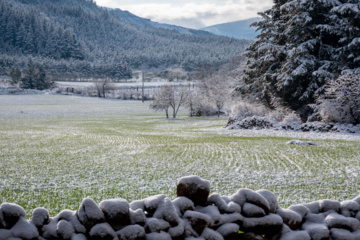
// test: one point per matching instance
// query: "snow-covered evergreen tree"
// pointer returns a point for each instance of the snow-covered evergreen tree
(302, 45)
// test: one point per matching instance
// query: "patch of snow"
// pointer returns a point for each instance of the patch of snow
(302, 143)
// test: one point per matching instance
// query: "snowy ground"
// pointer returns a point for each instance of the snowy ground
(56, 150)
(130, 84)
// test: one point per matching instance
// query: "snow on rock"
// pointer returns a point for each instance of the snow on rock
(316, 218)
(290, 218)
(250, 196)
(24, 229)
(349, 208)
(152, 203)
(251, 210)
(65, 230)
(5, 234)
(156, 225)
(216, 199)
(166, 211)
(254, 122)
(158, 236)
(251, 236)
(48, 231)
(89, 213)
(357, 199)
(209, 234)
(270, 224)
(224, 206)
(194, 188)
(314, 207)
(264, 124)
(271, 198)
(40, 217)
(229, 230)
(11, 214)
(177, 231)
(300, 209)
(302, 143)
(102, 231)
(212, 212)
(78, 237)
(182, 204)
(296, 235)
(335, 220)
(231, 218)
(137, 217)
(316, 231)
(138, 204)
(341, 234)
(198, 221)
(132, 232)
(116, 212)
(327, 205)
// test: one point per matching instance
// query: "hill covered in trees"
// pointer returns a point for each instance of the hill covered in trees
(77, 38)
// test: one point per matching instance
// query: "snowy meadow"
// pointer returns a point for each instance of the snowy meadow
(56, 150)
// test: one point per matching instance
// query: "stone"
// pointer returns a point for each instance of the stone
(194, 188)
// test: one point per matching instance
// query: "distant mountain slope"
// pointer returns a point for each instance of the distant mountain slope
(79, 36)
(131, 18)
(239, 29)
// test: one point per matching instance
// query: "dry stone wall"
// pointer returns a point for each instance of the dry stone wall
(194, 214)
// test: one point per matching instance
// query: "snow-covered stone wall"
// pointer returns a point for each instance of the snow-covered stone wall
(194, 214)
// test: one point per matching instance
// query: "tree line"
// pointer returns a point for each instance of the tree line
(33, 77)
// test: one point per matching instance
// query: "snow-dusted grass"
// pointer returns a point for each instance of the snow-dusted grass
(56, 150)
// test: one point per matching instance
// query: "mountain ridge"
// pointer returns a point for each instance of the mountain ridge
(238, 29)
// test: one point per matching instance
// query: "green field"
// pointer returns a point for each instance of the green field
(56, 150)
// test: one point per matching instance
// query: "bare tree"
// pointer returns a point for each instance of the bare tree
(170, 96)
(161, 100)
(217, 92)
(103, 86)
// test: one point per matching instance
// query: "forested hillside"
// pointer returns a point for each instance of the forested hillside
(80, 39)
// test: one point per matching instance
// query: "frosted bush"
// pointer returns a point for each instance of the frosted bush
(341, 101)
(245, 109)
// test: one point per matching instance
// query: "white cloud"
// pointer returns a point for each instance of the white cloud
(190, 14)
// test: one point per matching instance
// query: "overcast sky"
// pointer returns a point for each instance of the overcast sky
(191, 13)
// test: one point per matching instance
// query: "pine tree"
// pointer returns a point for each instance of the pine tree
(15, 74)
(29, 80)
(302, 46)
